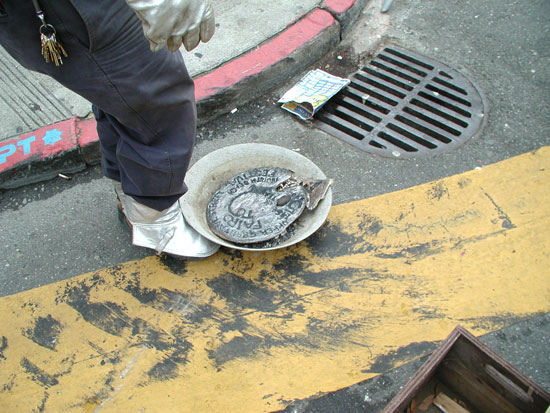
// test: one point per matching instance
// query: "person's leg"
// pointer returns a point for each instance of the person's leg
(143, 101)
(146, 99)
(108, 144)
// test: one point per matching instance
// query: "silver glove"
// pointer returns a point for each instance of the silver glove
(173, 22)
(164, 231)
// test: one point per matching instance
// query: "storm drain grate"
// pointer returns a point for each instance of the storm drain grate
(405, 105)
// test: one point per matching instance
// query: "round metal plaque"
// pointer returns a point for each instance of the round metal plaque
(256, 205)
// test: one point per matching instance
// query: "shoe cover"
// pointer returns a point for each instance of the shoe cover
(164, 231)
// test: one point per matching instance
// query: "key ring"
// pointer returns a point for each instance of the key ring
(52, 49)
(47, 30)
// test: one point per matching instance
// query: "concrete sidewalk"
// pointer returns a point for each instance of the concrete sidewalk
(47, 129)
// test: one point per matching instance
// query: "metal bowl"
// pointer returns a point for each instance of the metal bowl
(209, 173)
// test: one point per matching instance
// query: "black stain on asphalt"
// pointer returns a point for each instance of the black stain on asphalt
(45, 332)
(402, 355)
(143, 295)
(245, 293)
(503, 216)
(243, 346)
(319, 334)
(169, 301)
(416, 251)
(3, 347)
(438, 191)
(329, 278)
(297, 308)
(165, 370)
(463, 183)
(112, 357)
(198, 313)
(328, 333)
(297, 267)
(113, 319)
(330, 241)
(177, 266)
(168, 368)
(107, 316)
(370, 225)
(144, 333)
(292, 264)
(344, 287)
(406, 213)
(252, 295)
(160, 299)
(37, 374)
(427, 312)
(233, 255)
(279, 301)
(238, 323)
(72, 292)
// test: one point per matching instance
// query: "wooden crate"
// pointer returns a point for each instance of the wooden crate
(463, 373)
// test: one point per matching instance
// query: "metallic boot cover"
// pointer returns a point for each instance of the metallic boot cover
(164, 231)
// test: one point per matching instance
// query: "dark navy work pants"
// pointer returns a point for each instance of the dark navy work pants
(143, 101)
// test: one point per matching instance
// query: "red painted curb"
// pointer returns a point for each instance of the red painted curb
(338, 6)
(45, 142)
(87, 132)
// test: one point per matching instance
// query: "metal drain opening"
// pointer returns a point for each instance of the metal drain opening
(406, 105)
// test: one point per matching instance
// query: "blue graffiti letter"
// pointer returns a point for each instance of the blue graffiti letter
(6, 151)
(26, 144)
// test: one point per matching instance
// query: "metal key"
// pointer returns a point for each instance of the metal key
(52, 49)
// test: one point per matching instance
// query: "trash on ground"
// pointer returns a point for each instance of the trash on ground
(309, 95)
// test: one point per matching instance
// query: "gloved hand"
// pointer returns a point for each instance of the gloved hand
(173, 22)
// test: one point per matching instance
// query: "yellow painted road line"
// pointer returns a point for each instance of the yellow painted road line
(383, 281)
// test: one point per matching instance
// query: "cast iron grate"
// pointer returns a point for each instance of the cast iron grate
(405, 105)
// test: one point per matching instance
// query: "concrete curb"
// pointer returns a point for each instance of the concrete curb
(70, 145)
